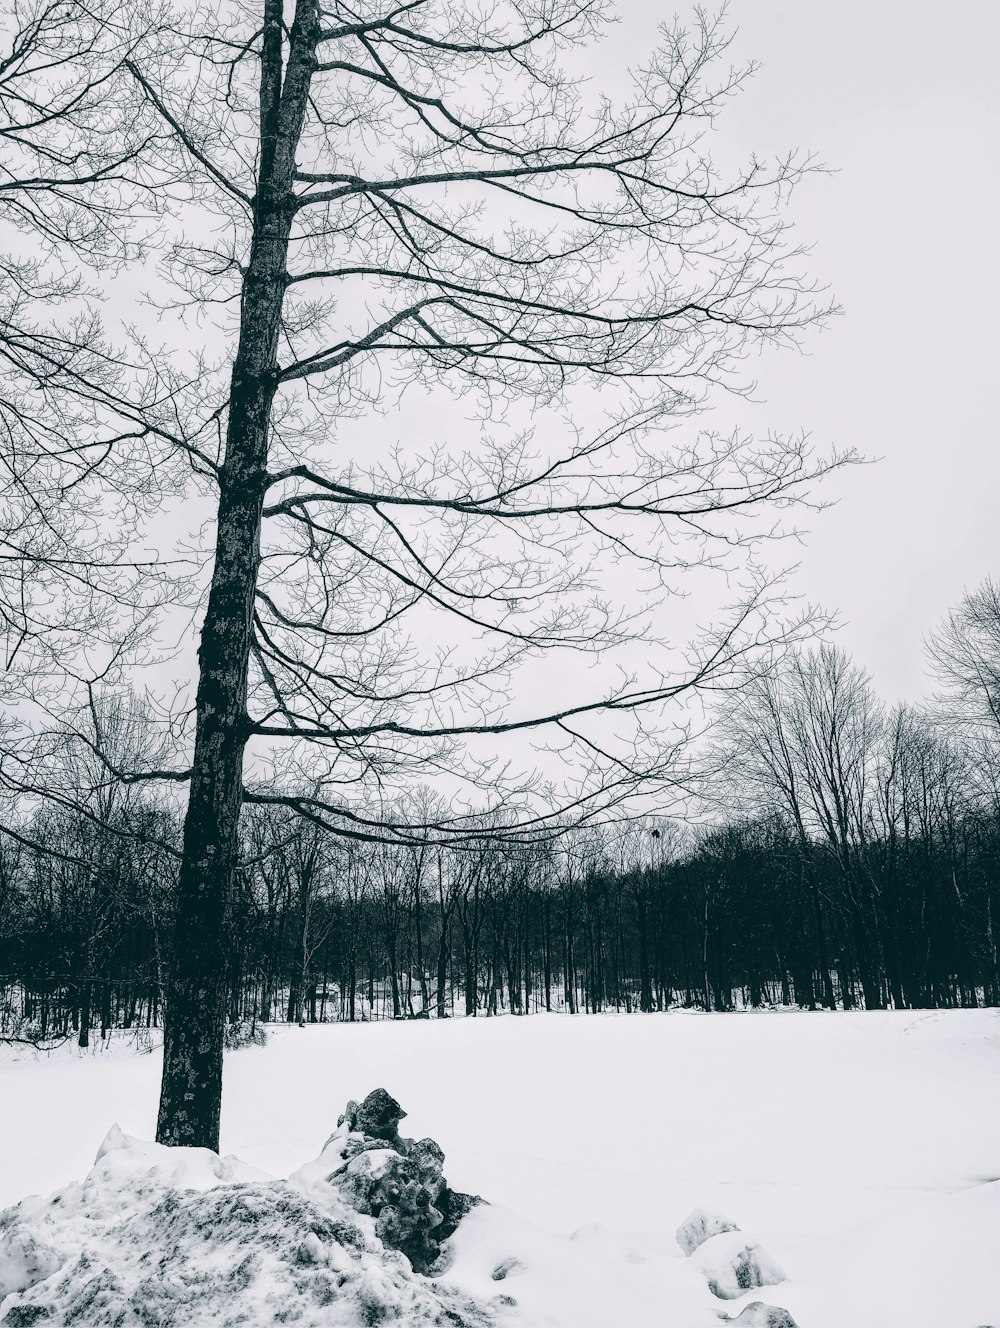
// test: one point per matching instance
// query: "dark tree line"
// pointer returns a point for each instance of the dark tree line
(857, 865)
(743, 916)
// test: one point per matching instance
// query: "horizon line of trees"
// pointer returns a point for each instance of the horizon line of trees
(852, 861)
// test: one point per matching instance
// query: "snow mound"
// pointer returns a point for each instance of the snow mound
(759, 1315)
(166, 1237)
(593, 1279)
(733, 1264)
(700, 1225)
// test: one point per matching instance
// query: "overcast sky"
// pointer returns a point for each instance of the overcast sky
(903, 99)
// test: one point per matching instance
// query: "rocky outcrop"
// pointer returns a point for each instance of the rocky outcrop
(398, 1181)
(377, 1117)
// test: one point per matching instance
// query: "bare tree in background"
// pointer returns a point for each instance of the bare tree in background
(807, 739)
(965, 655)
(413, 203)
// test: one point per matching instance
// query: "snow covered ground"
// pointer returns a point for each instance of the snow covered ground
(862, 1151)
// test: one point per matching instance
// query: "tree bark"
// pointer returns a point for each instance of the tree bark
(191, 1090)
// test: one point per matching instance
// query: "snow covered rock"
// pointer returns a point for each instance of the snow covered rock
(397, 1181)
(759, 1315)
(700, 1225)
(732, 1264)
(505, 1267)
(377, 1117)
(179, 1237)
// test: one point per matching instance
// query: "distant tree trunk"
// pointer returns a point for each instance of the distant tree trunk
(645, 980)
(352, 983)
(391, 958)
(547, 951)
(397, 1004)
(442, 970)
(570, 959)
(471, 977)
(84, 1038)
(829, 997)
(526, 955)
(106, 995)
(994, 955)
(868, 974)
(706, 983)
(419, 941)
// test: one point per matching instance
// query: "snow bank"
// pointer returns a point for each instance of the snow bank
(164, 1237)
(369, 1232)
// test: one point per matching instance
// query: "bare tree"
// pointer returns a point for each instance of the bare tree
(412, 205)
(393, 881)
(965, 655)
(807, 736)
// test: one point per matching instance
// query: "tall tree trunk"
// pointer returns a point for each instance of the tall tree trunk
(706, 984)
(645, 983)
(569, 961)
(84, 1039)
(829, 997)
(442, 968)
(547, 950)
(191, 1089)
(471, 975)
(419, 940)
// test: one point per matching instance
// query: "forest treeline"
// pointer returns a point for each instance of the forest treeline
(846, 856)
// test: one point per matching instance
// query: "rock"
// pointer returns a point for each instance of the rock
(455, 1206)
(409, 1228)
(700, 1225)
(357, 1143)
(372, 1179)
(378, 1116)
(732, 1264)
(759, 1315)
(427, 1157)
(504, 1267)
(348, 1116)
(397, 1181)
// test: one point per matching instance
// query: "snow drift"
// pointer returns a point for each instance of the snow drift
(156, 1237)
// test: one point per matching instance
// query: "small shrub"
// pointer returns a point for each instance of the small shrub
(244, 1033)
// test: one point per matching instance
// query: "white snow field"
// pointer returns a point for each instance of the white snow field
(861, 1151)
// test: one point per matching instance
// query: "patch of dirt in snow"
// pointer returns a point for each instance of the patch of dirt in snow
(163, 1238)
